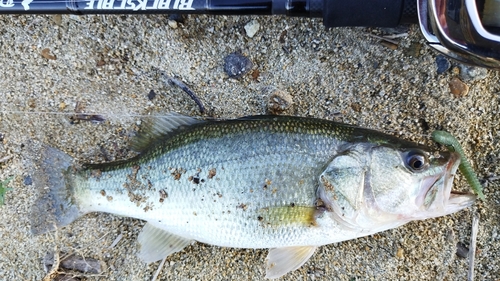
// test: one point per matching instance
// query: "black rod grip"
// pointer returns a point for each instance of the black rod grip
(410, 12)
(380, 13)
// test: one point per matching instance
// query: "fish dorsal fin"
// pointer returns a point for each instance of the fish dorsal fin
(283, 260)
(160, 126)
(156, 244)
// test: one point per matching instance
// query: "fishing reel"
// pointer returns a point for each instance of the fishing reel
(465, 30)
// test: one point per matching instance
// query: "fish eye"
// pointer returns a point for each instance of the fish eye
(416, 161)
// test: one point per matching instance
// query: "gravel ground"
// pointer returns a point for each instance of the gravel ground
(53, 66)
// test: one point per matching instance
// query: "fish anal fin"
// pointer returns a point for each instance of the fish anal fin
(156, 244)
(283, 260)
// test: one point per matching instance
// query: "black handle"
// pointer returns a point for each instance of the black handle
(380, 13)
(410, 12)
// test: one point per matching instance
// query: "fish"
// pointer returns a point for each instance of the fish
(288, 184)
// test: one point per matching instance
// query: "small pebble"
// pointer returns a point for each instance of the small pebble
(151, 95)
(356, 107)
(279, 101)
(46, 54)
(237, 65)
(462, 250)
(101, 63)
(414, 49)
(57, 19)
(252, 27)
(255, 74)
(458, 88)
(472, 73)
(28, 180)
(400, 253)
(172, 24)
(443, 64)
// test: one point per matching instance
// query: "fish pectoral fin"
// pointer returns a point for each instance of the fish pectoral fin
(283, 260)
(156, 244)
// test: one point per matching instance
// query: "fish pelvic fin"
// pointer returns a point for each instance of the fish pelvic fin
(280, 261)
(55, 206)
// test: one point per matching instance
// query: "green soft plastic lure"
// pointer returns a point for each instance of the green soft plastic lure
(465, 168)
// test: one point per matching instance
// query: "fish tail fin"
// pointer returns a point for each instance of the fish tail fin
(55, 206)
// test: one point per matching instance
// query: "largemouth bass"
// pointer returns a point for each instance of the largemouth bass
(290, 184)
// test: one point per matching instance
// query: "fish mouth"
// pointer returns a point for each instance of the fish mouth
(439, 197)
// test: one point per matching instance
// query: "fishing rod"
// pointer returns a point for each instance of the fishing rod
(465, 30)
